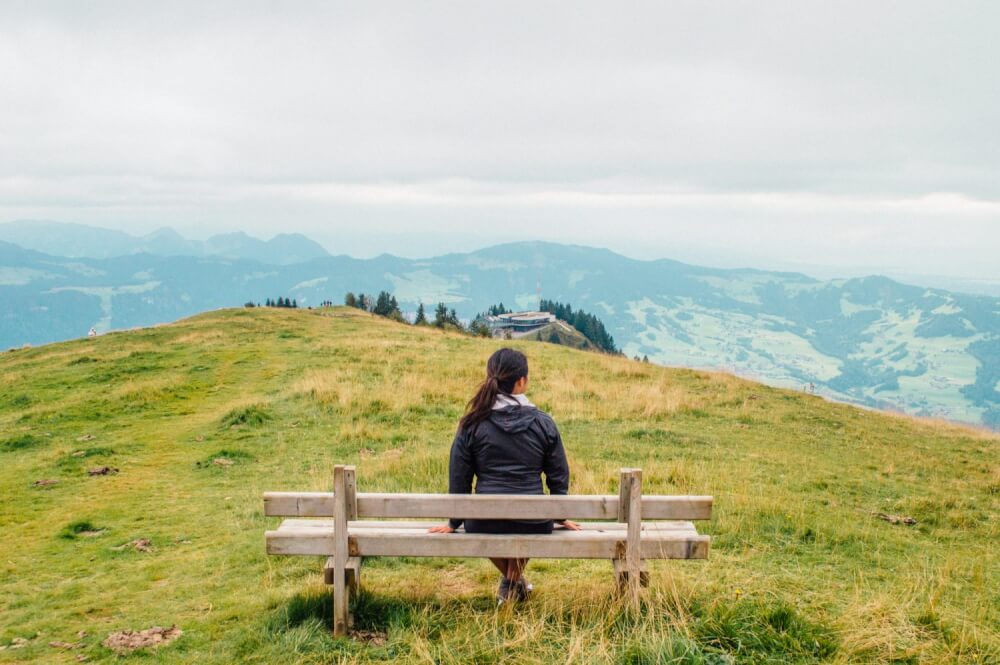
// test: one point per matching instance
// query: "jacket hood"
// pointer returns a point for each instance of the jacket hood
(514, 419)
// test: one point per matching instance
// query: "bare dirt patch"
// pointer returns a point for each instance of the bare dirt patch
(126, 641)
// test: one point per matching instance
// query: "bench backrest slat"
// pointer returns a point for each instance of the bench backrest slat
(486, 506)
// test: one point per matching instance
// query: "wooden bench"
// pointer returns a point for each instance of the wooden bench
(351, 535)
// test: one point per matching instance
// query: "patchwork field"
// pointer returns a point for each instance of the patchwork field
(184, 426)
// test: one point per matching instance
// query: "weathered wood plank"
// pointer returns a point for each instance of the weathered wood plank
(326, 523)
(631, 495)
(352, 569)
(622, 576)
(486, 506)
(558, 545)
(340, 548)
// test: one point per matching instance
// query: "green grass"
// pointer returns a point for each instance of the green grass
(801, 570)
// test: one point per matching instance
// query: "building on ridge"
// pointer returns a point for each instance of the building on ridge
(518, 323)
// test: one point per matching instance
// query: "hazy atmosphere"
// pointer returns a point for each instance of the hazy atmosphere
(845, 138)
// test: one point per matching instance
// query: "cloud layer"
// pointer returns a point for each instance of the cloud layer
(850, 133)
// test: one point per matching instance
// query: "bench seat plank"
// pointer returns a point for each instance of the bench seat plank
(486, 506)
(561, 544)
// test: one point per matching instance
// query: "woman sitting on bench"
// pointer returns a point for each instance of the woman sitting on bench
(507, 444)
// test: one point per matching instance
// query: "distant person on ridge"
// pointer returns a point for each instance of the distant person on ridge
(507, 444)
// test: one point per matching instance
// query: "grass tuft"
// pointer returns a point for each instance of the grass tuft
(20, 442)
(253, 415)
(224, 458)
(74, 530)
(763, 628)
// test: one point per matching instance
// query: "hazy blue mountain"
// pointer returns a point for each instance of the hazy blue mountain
(70, 240)
(870, 340)
(80, 241)
(282, 249)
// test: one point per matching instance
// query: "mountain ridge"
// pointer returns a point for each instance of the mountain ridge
(871, 340)
(83, 241)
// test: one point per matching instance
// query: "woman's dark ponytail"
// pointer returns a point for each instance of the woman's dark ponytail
(504, 368)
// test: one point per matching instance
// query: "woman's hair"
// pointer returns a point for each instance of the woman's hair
(504, 368)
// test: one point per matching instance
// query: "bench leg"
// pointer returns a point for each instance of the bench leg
(621, 574)
(352, 581)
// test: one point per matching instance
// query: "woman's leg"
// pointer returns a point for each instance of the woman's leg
(515, 568)
(501, 564)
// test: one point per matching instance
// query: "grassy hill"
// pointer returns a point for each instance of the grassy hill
(566, 335)
(801, 570)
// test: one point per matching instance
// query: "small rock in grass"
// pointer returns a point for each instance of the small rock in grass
(45, 482)
(140, 545)
(79, 453)
(896, 519)
(222, 461)
(102, 471)
(129, 640)
(18, 643)
(64, 645)
(199, 438)
(372, 637)
(86, 437)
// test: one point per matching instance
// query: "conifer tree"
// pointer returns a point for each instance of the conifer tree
(421, 319)
(440, 315)
(350, 300)
(382, 304)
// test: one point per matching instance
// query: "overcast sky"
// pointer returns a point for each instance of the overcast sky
(831, 135)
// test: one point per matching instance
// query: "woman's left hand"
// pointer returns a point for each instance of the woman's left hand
(441, 529)
(567, 524)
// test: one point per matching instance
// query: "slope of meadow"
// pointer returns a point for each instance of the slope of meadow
(801, 569)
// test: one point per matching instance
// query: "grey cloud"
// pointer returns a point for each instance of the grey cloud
(140, 114)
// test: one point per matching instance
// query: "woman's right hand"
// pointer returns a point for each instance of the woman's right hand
(568, 524)
(444, 528)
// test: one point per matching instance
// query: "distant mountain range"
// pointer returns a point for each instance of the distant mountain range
(79, 241)
(871, 341)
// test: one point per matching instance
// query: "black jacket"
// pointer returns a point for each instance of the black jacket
(507, 453)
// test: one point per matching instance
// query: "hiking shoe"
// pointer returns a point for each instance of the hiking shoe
(522, 589)
(504, 592)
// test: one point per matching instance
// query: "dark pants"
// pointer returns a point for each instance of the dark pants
(507, 526)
